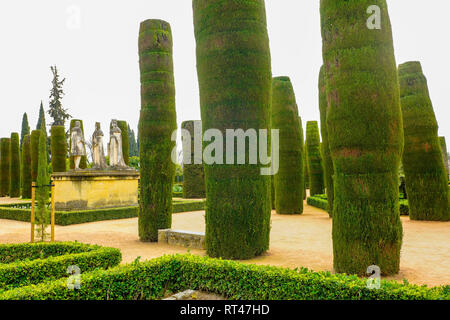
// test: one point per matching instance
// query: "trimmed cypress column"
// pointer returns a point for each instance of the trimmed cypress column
(365, 136)
(315, 168)
(156, 124)
(83, 161)
(14, 166)
(26, 167)
(58, 147)
(235, 80)
(34, 147)
(4, 166)
(425, 175)
(288, 182)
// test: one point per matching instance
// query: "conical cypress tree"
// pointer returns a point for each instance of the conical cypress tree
(14, 166)
(42, 190)
(193, 174)
(314, 158)
(4, 166)
(58, 148)
(444, 153)
(156, 124)
(34, 148)
(25, 129)
(41, 120)
(365, 136)
(426, 179)
(288, 182)
(26, 167)
(328, 169)
(83, 161)
(234, 73)
(125, 141)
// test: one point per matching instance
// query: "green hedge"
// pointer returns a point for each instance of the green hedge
(58, 145)
(157, 278)
(14, 166)
(34, 148)
(235, 83)
(65, 218)
(25, 264)
(5, 158)
(26, 167)
(314, 159)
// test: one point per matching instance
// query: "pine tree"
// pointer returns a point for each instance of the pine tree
(42, 189)
(235, 81)
(26, 167)
(365, 136)
(14, 166)
(56, 110)
(25, 129)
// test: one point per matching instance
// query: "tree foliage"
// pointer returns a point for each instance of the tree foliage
(56, 110)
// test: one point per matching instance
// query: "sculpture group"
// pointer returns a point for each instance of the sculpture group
(77, 148)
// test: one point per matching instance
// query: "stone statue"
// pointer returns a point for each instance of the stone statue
(98, 152)
(115, 147)
(77, 148)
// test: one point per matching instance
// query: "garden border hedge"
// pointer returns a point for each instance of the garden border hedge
(32, 263)
(159, 277)
(65, 218)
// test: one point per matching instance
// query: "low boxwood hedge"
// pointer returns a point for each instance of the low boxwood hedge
(157, 278)
(320, 201)
(31, 263)
(21, 212)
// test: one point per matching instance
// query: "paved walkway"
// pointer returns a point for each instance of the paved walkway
(295, 241)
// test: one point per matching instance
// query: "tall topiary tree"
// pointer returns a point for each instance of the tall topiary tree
(42, 189)
(288, 182)
(14, 166)
(25, 129)
(234, 73)
(41, 120)
(26, 167)
(305, 170)
(83, 162)
(125, 141)
(314, 158)
(34, 147)
(156, 124)
(365, 136)
(425, 176)
(193, 174)
(328, 169)
(444, 153)
(58, 148)
(4, 166)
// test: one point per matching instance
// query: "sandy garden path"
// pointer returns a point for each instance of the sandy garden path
(295, 241)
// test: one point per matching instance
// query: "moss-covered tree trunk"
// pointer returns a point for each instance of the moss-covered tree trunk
(234, 73)
(444, 153)
(288, 182)
(365, 136)
(58, 147)
(425, 176)
(328, 169)
(34, 147)
(156, 124)
(26, 167)
(83, 161)
(5, 158)
(314, 158)
(193, 173)
(14, 166)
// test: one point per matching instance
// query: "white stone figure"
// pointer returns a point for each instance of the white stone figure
(77, 148)
(98, 152)
(115, 147)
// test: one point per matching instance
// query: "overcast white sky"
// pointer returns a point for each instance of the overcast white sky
(100, 58)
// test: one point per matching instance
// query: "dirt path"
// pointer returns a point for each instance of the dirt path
(296, 241)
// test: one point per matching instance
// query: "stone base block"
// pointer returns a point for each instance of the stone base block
(187, 239)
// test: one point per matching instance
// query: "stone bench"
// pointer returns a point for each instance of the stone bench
(188, 239)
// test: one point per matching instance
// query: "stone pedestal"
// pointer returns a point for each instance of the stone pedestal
(89, 189)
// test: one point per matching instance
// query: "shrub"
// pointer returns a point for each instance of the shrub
(4, 166)
(83, 161)
(193, 174)
(235, 91)
(26, 167)
(314, 158)
(425, 175)
(156, 124)
(237, 281)
(365, 136)
(58, 148)
(14, 166)
(34, 148)
(288, 182)
(26, 264)
(328, 169)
